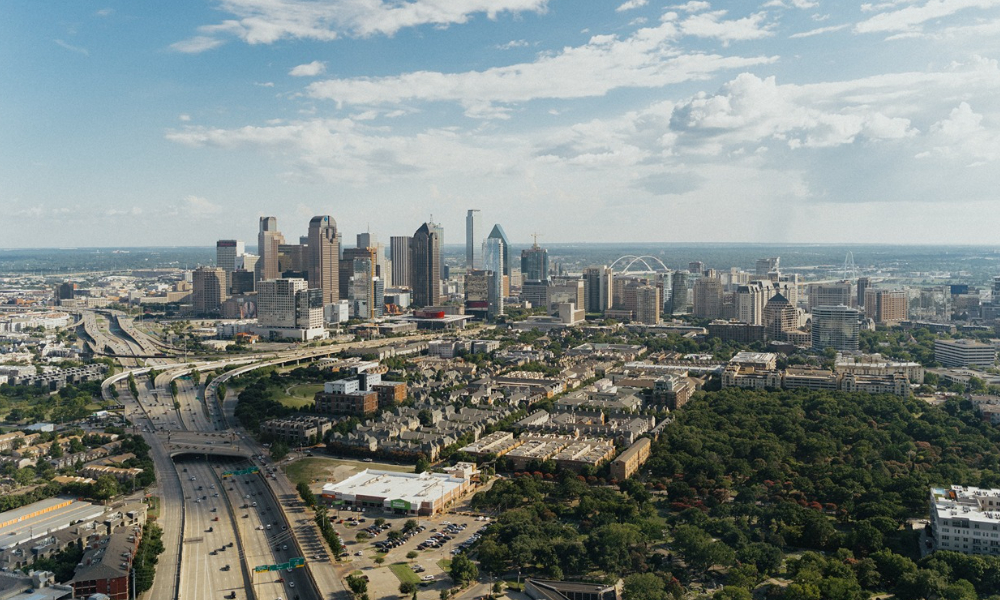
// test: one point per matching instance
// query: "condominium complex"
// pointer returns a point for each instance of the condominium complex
(886, 306)
(628, 462)
(966, 519)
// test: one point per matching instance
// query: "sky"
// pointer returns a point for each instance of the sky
(791, 121)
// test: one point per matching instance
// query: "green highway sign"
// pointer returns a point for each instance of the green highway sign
(296, 562)
(249, 471)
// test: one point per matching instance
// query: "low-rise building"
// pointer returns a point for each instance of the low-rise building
(964, 353)
(299, 430)
(495, 444)
(628, 462)
(399, 493)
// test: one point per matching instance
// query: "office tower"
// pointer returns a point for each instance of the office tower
(534, 263)
(863, 284)
(425, 266)
(324, 257)
(566, 291)
(287, 308)
(268, 240)
(399, 251)
(492, 259)
(696, 267)
(241, 282)
(678, 292)
(836, 327)
(65, 291)
(708, 293)
(226, 254)
(779, 316)
(498, 234)
(247, 262)
(536, 293)
(378, 303)
(473, 257)
(362, 289)
(367, 240)
(647, 304)
(477, 293)
(886, 306)
(209, 290)
(830, 294)
(293, 261)
(597, 283)
(766, 265)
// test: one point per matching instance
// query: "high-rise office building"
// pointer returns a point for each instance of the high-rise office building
(287, 308)
(477, 293)
(597, 284)
(226, 254)
(324, 258)
(678, 292)
(208, 290)
(647, 304)
(534, 263)
(268, 240)
(886, 306)
(399, 252)
(766, 265)
(779, 316)
(362, 289)
(425, 266)
(499, 234)
(566, 291)
(836, 327)
(708, 294)
(293, 261)
(863, 284)
(830, 294)
(696, 267)
(492, 259)
(367, 240)
(473, 247)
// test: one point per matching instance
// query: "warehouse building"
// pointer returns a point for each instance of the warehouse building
(401, 493)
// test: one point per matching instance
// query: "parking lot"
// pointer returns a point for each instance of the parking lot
(435, 540)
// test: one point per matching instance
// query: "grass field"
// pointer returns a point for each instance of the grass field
(299, 395)
(445, 564)
(404, 573)
(308, 469)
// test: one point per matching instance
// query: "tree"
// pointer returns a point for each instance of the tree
(357, 585)
(379, 522)
(463, 570)
(611, 545)
(379, 560)
(699, 549)
(307, 494)
(407, 587)
(105, 487)
(409, 525)
(412, 554)
(732, 593)
(421, 465)
(644, 586)
(279, 450)
(55, 450)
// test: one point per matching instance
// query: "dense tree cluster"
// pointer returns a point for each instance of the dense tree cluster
(812, 488)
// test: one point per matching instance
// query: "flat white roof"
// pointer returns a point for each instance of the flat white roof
(390, 485)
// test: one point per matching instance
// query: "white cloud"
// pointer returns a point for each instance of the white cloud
(819, 31)
(964, 137)
(264, 84)
(513, 44)
(802, 4)
(631, 4)
(72, 48)
(105, 12)
(267, 21)
(712, 25)
(197, 206)
(184, 117)
(196, 44)
(646, 59)
(911, 18)
(309, 69)
(693, 6)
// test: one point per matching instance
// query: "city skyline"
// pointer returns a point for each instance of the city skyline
(781, 121)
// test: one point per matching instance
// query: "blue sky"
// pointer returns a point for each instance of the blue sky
(154, 123)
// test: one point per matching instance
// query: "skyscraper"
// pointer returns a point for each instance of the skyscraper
(597, 282)
(678, 292)
(226, 253)
(499, 234)
(324, 258)
(399, 252)
(493, 253)
(425, 269)
(208, 290)
(708, 294)
(863, 284)
(779, 316)
(473, 249)
(886, 306)
(647, 304)
(766, 265)
(362, 288)
(268, 240)
(534, 263)
(836, 327)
